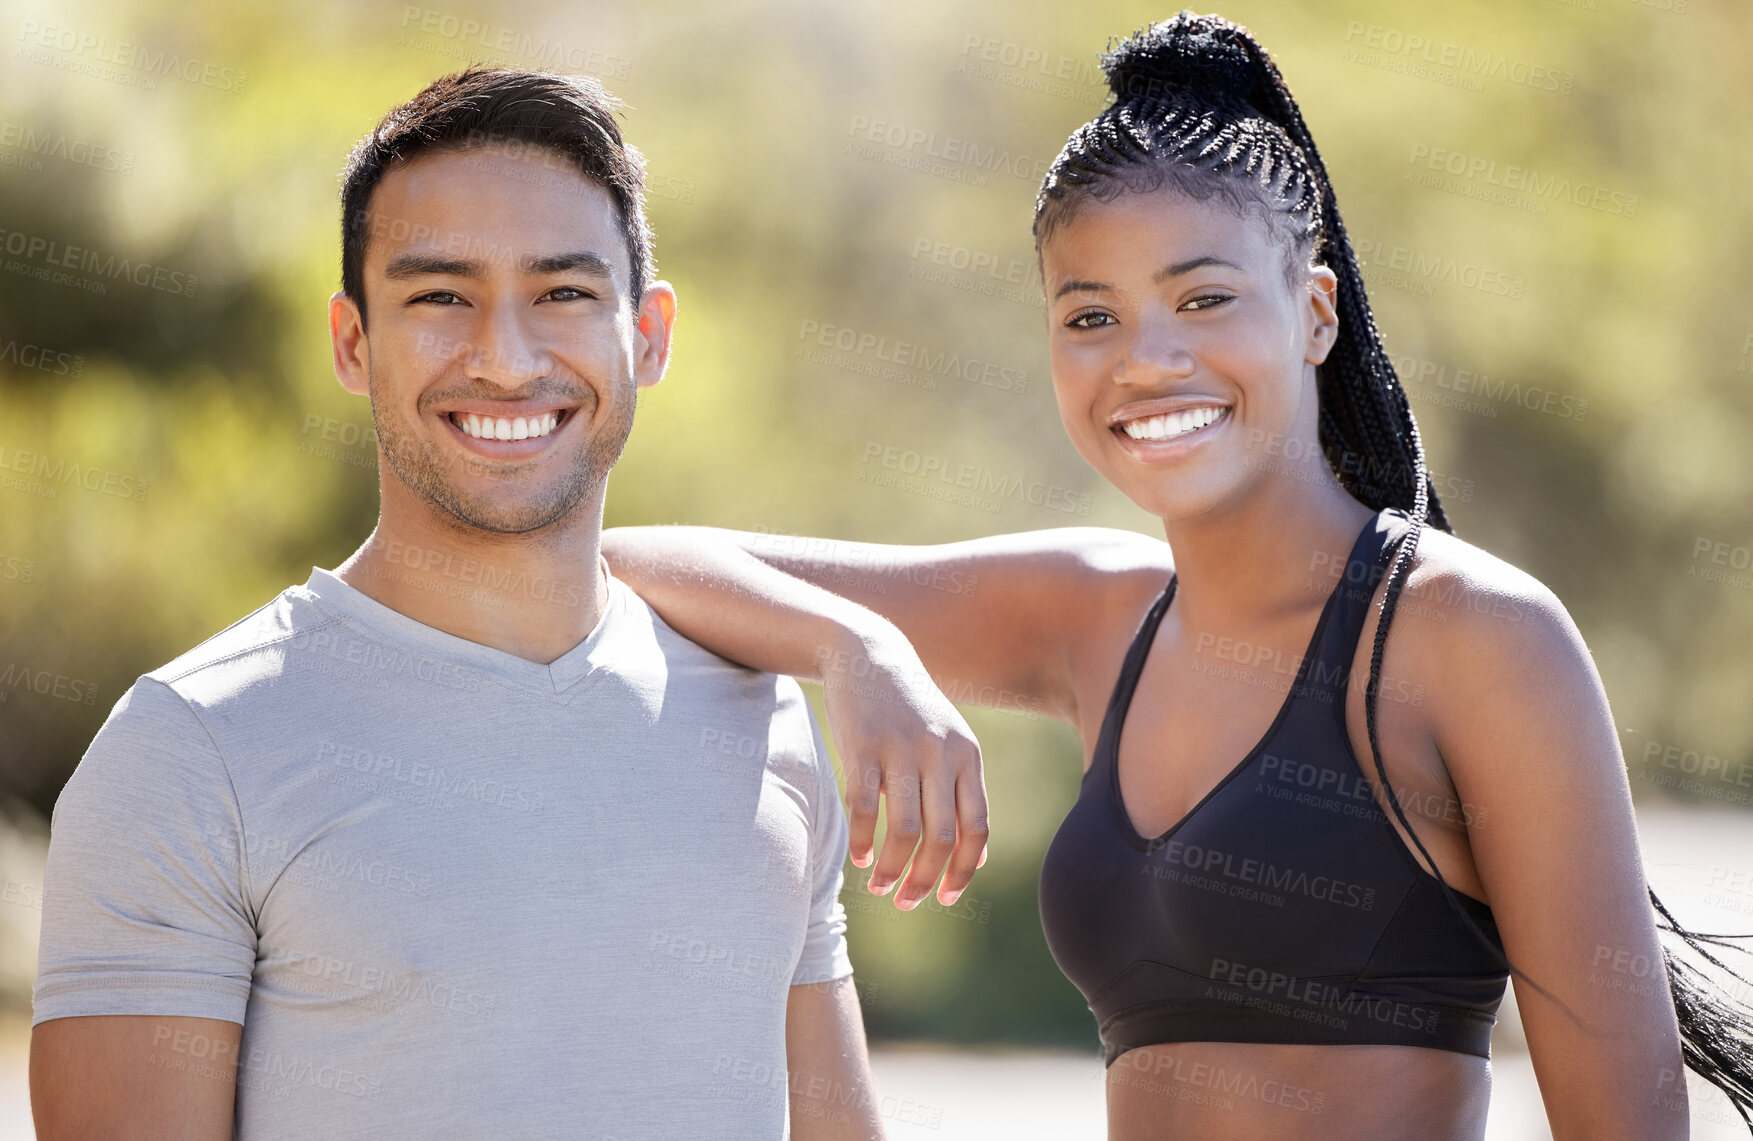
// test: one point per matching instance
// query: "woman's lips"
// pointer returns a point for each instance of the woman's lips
(1171, 435)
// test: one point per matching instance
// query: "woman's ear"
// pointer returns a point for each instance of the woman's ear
(1323, 311)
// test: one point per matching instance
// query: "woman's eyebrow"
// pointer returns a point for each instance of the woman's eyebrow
(1075, 285)
(1190, 264)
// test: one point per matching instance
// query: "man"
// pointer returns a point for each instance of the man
(460, 839)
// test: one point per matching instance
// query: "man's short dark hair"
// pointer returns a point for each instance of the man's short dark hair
(506, 110)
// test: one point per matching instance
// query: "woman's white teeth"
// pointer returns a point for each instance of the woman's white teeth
(1172, 424)
(500, 428)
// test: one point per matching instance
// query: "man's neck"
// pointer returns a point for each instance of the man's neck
(536, 596)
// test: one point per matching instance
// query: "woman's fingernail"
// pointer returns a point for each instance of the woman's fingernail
(951, 897)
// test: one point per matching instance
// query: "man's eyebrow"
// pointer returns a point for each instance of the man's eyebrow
(421, 265)
(1181, 267)
(417, 264)
(591, 263)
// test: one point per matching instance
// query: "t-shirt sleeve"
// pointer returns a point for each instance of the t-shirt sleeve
(824, 950)
(144, 906)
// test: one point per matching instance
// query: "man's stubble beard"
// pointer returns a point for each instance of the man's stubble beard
(423, 470)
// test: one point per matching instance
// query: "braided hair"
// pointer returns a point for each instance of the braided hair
(1200, 107)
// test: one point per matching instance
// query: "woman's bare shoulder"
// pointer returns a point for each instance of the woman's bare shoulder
(1471, 622)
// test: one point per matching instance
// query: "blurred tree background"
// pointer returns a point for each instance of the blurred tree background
(1550, 196)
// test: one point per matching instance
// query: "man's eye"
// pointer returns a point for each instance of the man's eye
(1093, 319)
(1214, 298)
(439, 297)
(568, 293)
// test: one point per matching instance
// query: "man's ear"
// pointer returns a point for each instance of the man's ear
(657, 322)
(1323, 301)
(352, 352)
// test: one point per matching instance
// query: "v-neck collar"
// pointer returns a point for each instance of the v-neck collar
(362, 612)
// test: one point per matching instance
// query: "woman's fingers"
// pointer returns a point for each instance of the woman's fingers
(907, 751)
(937, 835)
(864, 785)
(971, 830)
(903, 823)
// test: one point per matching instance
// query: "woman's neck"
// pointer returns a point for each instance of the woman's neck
(1266, 556)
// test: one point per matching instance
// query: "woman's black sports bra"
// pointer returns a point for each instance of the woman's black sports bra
(1284, 907)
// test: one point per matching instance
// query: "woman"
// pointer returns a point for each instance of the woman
(1277, 940)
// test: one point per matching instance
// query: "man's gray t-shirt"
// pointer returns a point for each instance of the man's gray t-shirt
(449, 892)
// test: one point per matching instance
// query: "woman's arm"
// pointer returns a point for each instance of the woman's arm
(1006, 621)
(1522, 722)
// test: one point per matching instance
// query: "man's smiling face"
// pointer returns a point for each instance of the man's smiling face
(503, 353)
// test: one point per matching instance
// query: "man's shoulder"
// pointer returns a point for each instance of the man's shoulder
(645, 630)
(650, 645)
(231, 659)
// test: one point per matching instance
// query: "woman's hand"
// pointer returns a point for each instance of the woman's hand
(901, 739)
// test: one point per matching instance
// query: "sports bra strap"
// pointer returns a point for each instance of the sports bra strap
(1349, 599)
(1129, 672)
(1356, 586)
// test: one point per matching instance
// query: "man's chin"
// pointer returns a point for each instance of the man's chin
(508, 517)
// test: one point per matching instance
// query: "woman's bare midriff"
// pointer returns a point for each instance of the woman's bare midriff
(1236, 1091)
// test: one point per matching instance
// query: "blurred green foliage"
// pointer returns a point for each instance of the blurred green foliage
(228, 461)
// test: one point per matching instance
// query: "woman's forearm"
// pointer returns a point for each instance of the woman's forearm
(732, 603)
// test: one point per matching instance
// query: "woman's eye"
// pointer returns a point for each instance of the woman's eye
(1212, 298)
(1094, 319)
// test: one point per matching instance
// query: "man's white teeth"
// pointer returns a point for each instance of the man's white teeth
(500, 428)
(1172, 424)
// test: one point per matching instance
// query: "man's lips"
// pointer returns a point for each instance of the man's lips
(508, 432)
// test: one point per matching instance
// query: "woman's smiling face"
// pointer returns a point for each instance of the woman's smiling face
(1183, 359)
